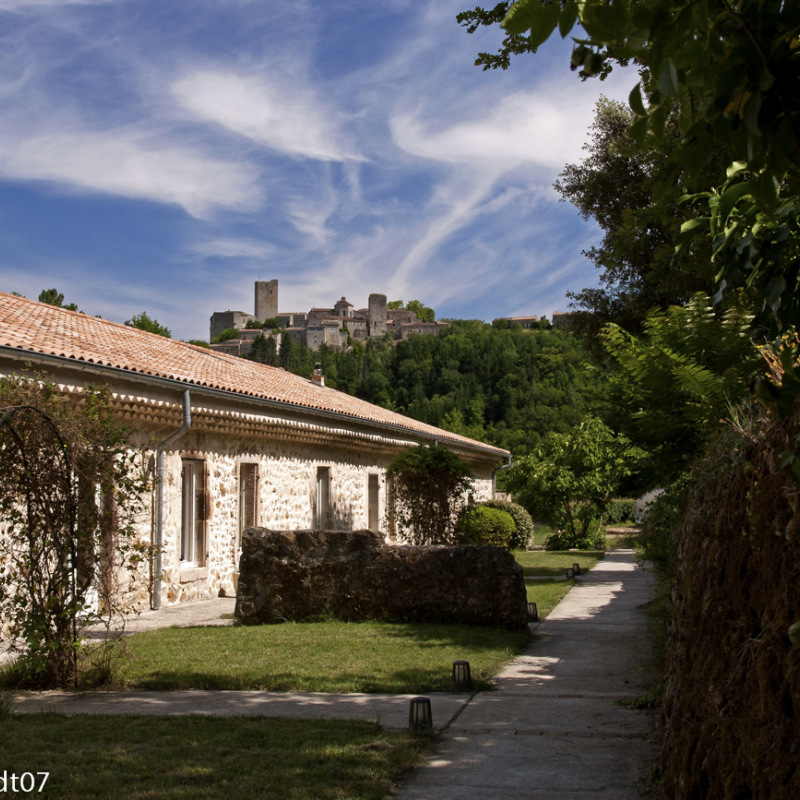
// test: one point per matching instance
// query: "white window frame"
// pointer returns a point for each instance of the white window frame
(373, 502)
(322, 509)
(244, 468)
(192, 523)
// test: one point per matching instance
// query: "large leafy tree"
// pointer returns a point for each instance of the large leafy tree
(570, 477)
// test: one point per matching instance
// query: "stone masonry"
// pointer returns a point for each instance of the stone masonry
(296, 575)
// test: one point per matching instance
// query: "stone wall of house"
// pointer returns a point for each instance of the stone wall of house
(287, 475)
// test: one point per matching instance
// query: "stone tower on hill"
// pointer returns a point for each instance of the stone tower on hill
(377, 315)
(266, 300)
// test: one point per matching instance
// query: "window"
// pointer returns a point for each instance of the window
(248, 500)
(193, 512)
(323, 510)
(373, 517)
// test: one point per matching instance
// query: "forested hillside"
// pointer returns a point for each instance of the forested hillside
(504, 387)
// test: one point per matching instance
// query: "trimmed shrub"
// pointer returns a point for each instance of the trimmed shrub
(486, 526)
(523, 535)
(621, 509)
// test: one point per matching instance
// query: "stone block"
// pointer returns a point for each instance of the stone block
(298, 575)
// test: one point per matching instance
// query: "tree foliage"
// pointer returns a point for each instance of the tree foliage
(431, 486)
(623, 187)
(503, 387)
(676, 384)
(144, 323)
(263, 350)
(423, 312)
(570, 477)
(55, 298)
(71, 489)
(728, 70)
(513, 44)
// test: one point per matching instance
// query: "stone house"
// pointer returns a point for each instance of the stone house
(563, 319)
(235, 443)
(526, 323)
(421, 328)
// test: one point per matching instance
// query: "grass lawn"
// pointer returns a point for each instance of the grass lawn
(547, 594)
(541, 532)
(371, 657)
(547, 563)
(194, 757)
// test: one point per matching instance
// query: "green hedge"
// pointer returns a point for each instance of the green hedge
(523, 534)
(621, 509)
(486, 526)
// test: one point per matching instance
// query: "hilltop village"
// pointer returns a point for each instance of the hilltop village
(233, 332)
(318, 326)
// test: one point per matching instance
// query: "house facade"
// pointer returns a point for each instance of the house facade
(229, 443)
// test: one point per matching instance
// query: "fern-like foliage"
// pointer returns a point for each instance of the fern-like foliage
(674, 386)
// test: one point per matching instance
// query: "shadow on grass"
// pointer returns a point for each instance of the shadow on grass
(408, 681)
(194, 757)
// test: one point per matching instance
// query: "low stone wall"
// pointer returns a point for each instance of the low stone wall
(295, 575)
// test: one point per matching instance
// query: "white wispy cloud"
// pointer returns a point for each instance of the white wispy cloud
(233, 248)
(19, 5)
(128, 163)
(272, 110)
(525, 127)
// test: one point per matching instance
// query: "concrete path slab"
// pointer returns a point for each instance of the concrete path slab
(186, 615)
(553, 728)
(390, 709)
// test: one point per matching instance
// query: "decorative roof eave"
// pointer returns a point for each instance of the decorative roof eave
(477, 451)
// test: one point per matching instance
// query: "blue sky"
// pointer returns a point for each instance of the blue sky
(160, 156)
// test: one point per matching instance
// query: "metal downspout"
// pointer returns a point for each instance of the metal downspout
(187, 423)
(505, 466)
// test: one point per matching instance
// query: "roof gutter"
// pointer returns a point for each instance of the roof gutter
(46, 359)
(162, 446)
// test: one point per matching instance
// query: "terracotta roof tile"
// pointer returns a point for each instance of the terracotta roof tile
(40, 328)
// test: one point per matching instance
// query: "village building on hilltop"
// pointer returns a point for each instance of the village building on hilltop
(333, 327)
(561, 319)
